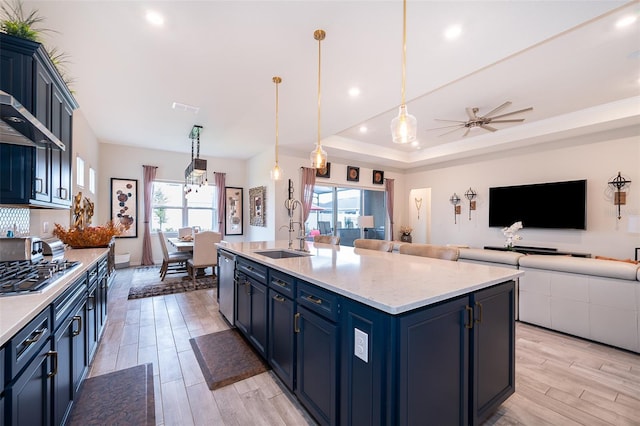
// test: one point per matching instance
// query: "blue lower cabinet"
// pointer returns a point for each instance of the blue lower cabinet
(317, 341)
(281, 350)
(366, 357)
(433, 380)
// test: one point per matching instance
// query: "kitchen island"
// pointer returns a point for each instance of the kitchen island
(367, 337)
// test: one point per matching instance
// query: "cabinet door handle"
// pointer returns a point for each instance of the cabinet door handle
(40, 182)
(469, 322)
(280, 283)
(79, 319)
(91, 306)
(278, 298)
(36, 337)
(315, 300)
(60, 192)
(247, 287)
(296, 325)
(479, 319)
(54, 371)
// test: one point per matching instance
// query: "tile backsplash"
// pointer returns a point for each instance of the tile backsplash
(15, 219)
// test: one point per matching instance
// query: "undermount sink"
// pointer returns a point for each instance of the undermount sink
(282, 254)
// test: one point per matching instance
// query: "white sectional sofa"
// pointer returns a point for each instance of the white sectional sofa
(591, 298)
(586, 297)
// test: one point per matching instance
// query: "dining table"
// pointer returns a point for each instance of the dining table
(181, 245)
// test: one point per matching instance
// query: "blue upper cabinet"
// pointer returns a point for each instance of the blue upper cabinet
(27, 74)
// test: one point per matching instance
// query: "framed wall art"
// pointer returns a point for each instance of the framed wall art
(257, 200)
(353, 174)
(233, 211)
(378, 177)
(124, 206)
(324, 173)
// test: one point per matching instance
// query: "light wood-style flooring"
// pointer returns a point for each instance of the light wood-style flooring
(560, 380)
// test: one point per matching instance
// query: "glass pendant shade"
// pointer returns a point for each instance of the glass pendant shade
(276, 172)
(404, 127)
(318, 158)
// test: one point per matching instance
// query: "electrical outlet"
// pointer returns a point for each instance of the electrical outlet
(361, 345)
(45, 227)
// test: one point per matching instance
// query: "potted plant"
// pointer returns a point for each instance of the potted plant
(405, 233)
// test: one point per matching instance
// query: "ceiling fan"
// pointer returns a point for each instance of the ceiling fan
(482, 121)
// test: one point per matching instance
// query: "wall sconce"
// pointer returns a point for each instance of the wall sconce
(455, 200)
(471, 196)
(618, 184)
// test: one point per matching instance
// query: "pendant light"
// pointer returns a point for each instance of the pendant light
(405, 126)
(318, 155)
(276, 172)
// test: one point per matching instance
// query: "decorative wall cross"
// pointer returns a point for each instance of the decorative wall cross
(418, 202)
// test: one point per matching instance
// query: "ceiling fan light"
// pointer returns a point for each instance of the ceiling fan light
(404, 127)
(318, 158)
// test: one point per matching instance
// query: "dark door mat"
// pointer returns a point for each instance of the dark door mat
(225, 357)
(123, 397)
(172, 286)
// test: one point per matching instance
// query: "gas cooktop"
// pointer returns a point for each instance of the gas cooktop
(24, 276)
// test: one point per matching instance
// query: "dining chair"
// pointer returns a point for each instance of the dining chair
(172, 262)
(379, 245)
(327, 239)
(183, 232)
(430, 250)
(205, 253)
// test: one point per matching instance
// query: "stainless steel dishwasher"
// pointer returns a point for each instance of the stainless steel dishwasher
(226, 284)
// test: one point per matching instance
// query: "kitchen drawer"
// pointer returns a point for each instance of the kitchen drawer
(28, 341)
(318, 300)
(253, 269)
(282, 283)
(66, 302)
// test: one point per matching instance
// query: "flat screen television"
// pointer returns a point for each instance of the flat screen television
(556, 205)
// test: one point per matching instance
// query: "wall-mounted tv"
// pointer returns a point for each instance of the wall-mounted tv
(557, 205)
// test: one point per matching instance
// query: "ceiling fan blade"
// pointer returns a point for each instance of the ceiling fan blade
(445, 127)
(451, 131)
(451, 121)
(489, 128)
(495, 110)
(471, 112)
(467, 132)
(514, 112)
(515, 120)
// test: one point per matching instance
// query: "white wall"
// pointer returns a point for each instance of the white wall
(597, 162)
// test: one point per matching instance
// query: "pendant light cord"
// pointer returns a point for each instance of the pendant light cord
(319, 35)
(404, 48)
(277, 80)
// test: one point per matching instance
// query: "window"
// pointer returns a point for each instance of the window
(92, 180)
(335, 211)
(171, 210)
(79, 171)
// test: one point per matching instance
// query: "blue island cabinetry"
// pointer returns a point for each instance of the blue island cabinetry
(451, 362)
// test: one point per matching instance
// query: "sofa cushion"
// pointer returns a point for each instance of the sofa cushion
(494, 256)
(581, 265)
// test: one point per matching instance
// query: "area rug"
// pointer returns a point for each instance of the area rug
(123, 397)
(226, 357)
(171, 286)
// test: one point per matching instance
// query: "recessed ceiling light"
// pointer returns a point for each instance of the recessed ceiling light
(416, 144)
(363, 129)
(155, 18)
(453, 32)
(354, 91)
(626, 21)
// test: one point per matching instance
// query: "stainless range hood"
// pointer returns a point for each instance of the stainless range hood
(19, 127)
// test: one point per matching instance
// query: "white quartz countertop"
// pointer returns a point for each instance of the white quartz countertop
(391, 282)
(17, 311)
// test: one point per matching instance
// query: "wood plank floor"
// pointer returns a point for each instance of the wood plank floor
(560, 380)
